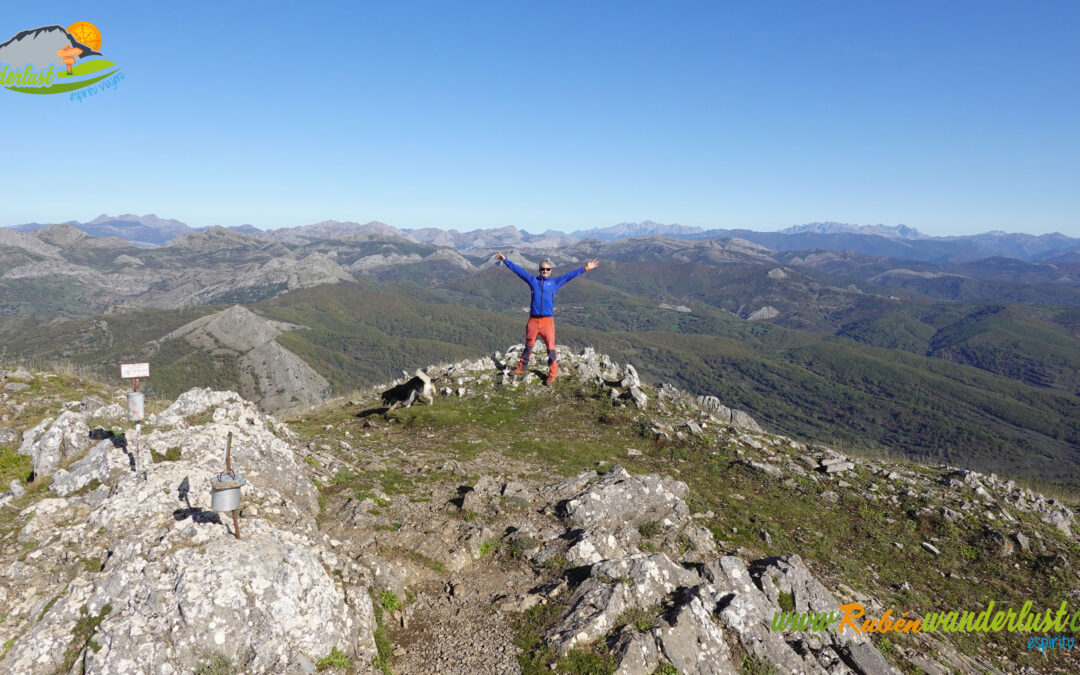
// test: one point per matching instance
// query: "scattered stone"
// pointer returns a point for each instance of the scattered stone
(950, 515)
(1022, 541)
(1003, 546)
(931, 548)
(20, 375)
(837, 467)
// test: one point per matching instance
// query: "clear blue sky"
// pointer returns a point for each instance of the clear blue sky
(951, 117)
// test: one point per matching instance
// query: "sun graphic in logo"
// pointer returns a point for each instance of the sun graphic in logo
(86, 33)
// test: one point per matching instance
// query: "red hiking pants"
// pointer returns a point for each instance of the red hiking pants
(544, 326)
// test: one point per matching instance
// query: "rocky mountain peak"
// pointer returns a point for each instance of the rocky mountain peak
(480, 554)
(60, 235)
(213, 238)
(270, 374)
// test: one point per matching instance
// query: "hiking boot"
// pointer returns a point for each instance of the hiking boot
(520, 370)
(553, 371)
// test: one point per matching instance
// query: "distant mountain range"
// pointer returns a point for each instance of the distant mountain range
(897, 242)
(887, 231)
(981, 358)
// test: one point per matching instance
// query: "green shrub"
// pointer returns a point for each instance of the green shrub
(389, 600)
(490, 546)
(529, 628)
(335, 659)
(650, 529)
(557, 564)
(787, 601)
(751, 666)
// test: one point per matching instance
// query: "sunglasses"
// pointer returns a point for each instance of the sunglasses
(545, 269)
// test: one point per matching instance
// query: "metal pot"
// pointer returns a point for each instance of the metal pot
(225, 495)
(135, 406)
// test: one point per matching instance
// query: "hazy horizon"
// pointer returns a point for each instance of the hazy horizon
(526, 230)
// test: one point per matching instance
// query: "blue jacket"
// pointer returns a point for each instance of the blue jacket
(543, 290)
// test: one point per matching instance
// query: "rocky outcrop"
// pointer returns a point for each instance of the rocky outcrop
(655, 591)
(726, 415)
(163, 583)
(614, 515)
(52, 442)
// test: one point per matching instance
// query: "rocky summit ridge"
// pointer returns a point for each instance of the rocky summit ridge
(509, 527)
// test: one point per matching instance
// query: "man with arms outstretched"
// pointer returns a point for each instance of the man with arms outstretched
(541, 309)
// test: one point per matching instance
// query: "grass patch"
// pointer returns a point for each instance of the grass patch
(200, 419)
(83, 635)
(335, 659)
(557, 565)
(640, 620)
(14, 466)
(219, 664)
(529, 626)
(649, 530)
(171, 454)
(752, 666)
(588, 662)
(383, 646)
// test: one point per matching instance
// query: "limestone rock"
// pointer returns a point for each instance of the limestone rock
(106, 462)
(172, 585)
(729, 416)
(1022, 541)
(67, 437)
(19, 375)
(614, 586)
(619, 500)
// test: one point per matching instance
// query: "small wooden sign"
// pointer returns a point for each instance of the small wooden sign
(130, 371)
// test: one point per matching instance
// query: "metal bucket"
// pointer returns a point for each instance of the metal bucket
(135, 406)
(225, 495)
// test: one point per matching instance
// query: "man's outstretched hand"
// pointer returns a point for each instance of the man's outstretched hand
(500, 257)
(591, 265)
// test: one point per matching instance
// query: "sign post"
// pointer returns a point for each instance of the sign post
(133, 371)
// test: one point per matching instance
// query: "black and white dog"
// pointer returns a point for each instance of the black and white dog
(416, 389)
